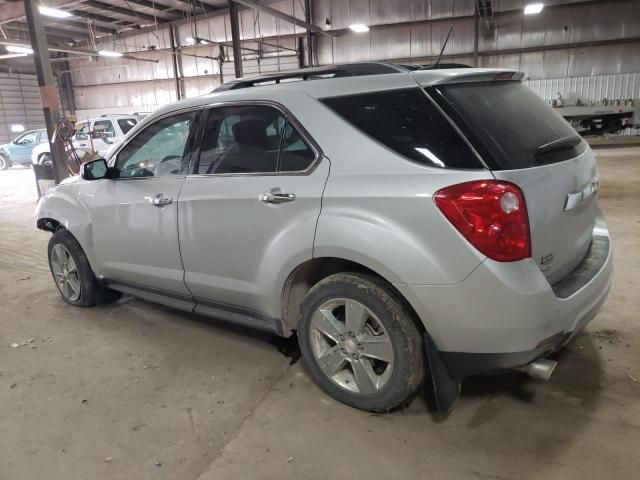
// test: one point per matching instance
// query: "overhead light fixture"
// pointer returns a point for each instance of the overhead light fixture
(18, 49)
(359, 27)
(197, 40)
(17, 128)
(109, 53)
(54, 12)
(533, 8)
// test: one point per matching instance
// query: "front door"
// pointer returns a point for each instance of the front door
(22, 146)
(135, 229)
(248, 212)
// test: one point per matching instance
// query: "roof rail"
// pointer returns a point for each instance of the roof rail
(315, 73)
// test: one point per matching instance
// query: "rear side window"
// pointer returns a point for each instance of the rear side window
(407, 122)
(508, 124)
(251, 139)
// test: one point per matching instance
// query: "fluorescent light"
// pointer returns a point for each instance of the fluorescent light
(17, 128)
(109, 53)
(533, 8)
(190, 40)
(54, 12)
(359, 27)
(17, 49)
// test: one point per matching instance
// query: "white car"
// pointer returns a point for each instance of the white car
(97, 134)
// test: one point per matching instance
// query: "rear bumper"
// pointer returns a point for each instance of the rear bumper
(505, 315)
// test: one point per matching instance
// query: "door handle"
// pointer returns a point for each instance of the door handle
(159, 200)
(275, 198)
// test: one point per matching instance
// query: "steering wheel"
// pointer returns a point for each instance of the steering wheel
(169, 165)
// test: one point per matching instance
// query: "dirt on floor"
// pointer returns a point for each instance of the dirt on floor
(137, 391)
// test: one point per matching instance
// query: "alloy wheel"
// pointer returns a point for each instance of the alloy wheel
(65, 273)
(351, 346)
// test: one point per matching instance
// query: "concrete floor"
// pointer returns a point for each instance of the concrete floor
(136, 391)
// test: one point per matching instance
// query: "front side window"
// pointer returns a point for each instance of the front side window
(251, 139)
(27, 139)
(407, 122)
(158, 150)
(103, 129)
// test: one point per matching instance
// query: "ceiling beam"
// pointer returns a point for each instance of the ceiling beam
(75, 51)
(132, 14)
(165, 12)
(280, 15)
(108, 22)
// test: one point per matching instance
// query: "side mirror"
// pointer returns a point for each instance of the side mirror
(94, 170)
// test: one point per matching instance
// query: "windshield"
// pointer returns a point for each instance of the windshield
(509, 124)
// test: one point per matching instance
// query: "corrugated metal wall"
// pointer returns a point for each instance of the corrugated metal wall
(19, 104)
(402, 30)
(589, 89)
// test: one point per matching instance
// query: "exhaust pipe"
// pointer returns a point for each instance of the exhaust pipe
(540, 369)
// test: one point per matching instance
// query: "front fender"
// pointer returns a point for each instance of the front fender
(68, 204)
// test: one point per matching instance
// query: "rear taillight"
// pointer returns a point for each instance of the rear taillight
(491, 215)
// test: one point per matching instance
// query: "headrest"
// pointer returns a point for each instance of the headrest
(251, 132)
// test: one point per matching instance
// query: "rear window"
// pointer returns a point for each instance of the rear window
(127, 124)
(508, 124)
(409, 123)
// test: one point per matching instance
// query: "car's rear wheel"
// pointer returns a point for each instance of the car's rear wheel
(72, 273)
(360, 343)
(4, 163)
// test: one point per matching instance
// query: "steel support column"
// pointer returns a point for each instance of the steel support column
(174, 62)
(48, 93)
(235, 38)
(310, 39)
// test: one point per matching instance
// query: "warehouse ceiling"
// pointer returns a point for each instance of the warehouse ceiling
(93, 20)
(101, 18)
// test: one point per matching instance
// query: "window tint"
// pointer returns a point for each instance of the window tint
(127, 124)
(157, 150)
(407, 122)
(248, 140)
(507, 122)
(103, 128)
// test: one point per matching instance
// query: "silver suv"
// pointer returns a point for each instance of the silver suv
(401, 222)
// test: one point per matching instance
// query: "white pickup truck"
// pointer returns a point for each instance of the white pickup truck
(97, 134)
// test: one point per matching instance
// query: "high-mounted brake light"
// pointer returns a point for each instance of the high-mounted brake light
(491, 215)
(503, 76)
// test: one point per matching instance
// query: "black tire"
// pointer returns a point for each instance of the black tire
(45, 159)
(91, 292)
(380, 299)
(4, 162)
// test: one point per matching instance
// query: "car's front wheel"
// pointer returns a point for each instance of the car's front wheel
(4, 162)
(360, 343)
(72, 273)
(45, 159)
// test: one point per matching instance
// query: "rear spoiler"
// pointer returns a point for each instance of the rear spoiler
(440, 77)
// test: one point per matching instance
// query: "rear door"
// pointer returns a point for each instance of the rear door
(249, 209)
(524, 141)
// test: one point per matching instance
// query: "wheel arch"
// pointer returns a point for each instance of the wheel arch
(307, 274)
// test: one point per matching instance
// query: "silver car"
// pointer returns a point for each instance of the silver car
(402, 223)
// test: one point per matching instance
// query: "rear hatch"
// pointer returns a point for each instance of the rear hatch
(524, 141)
